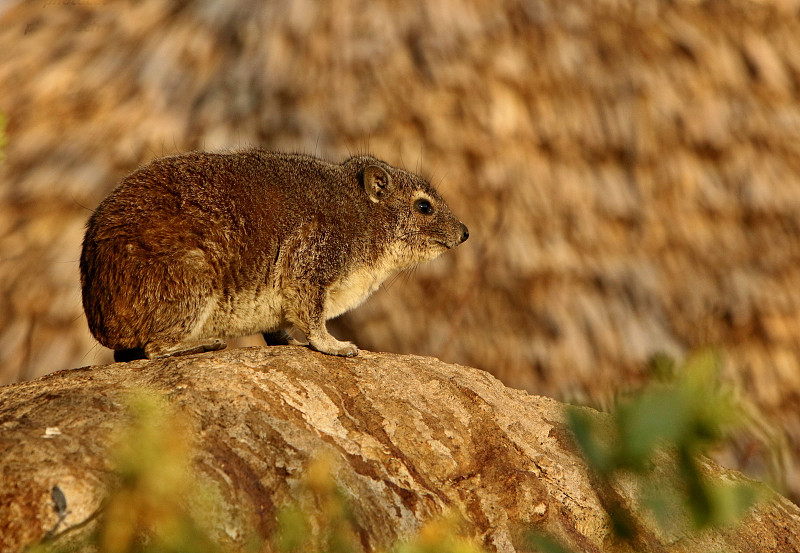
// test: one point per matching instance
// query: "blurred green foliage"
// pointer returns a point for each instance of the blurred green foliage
(334, 529)
(683, 414)
(157, 505)
(446, 534)
(545, 544)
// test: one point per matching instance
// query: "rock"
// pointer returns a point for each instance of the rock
(411, 437)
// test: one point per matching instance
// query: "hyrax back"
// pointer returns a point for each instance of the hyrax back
(191, 249)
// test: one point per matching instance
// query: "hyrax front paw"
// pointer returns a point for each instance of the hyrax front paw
(334, 347)
(347, 349)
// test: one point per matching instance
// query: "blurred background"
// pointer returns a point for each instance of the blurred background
(629, 172)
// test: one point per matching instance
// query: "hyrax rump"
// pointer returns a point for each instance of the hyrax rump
(191, 249)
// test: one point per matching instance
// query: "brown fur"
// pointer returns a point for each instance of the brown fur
(198, 247)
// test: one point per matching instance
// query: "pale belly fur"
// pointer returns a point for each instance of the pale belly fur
(262, 309)
(249, 312)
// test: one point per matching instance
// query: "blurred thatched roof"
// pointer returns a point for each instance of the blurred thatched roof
(630, 171)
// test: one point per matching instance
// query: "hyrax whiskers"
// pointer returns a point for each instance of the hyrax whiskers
(192, 249)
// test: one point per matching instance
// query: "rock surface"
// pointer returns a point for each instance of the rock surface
(412, 437)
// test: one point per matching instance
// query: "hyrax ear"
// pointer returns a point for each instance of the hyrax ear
(377, 183)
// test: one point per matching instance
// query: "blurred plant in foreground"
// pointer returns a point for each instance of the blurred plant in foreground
(334, 529)
(155, 504)
(682, 415)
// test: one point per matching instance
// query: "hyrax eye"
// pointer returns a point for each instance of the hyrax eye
(423, 206)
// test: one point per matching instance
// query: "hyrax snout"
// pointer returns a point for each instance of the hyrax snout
(192, 249)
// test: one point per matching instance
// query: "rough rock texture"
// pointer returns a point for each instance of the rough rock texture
(415, 436)
(630, 170)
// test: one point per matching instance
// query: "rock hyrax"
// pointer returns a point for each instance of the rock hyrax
(194, 248)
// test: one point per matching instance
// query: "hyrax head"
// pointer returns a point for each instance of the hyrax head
(419, 223)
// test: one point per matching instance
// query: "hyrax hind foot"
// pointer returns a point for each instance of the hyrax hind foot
(157, 350)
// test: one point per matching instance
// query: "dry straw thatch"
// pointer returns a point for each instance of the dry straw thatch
(629, 170)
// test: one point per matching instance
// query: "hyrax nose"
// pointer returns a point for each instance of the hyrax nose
(464, 233)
